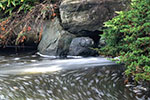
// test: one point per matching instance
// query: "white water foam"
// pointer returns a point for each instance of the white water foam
(47, 66)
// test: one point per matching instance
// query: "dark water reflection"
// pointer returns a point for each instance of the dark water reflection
(83, 84)
(97, 83)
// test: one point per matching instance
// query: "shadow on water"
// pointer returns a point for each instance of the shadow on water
(85, 83)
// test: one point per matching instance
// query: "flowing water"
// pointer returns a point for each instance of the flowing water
(31, 77)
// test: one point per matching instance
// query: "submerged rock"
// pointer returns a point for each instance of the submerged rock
(55, 41)
(78, 16)
(82, 46)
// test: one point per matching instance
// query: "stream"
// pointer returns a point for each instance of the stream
(27, 76)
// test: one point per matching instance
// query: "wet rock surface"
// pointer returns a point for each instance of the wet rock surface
(82, 46)
(55, 41)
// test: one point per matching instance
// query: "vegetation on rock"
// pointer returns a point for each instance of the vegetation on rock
(128, 36)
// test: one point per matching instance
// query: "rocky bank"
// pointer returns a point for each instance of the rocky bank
(76, 30)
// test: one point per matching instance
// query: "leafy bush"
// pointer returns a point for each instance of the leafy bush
(128, 36)
(8, 6)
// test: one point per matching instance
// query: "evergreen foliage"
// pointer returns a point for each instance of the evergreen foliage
(128, 36)
(8, 6)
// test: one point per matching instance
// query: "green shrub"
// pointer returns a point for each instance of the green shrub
(128, 36)
(8, 6)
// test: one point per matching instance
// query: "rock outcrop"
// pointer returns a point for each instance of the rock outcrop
(78, 18)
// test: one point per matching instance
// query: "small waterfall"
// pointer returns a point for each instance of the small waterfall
(48, 65)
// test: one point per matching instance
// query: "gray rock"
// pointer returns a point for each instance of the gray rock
(82, 46)
(102, 42)
(55, 41)
(78, 16)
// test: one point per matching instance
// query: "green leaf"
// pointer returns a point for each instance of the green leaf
(1, 5)
(9, 2)
(13, 3)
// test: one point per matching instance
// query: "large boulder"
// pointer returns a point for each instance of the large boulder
(55, 41)
(82, 46)
(80, 16)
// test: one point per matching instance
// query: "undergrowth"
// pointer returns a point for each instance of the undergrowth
(23, 20)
